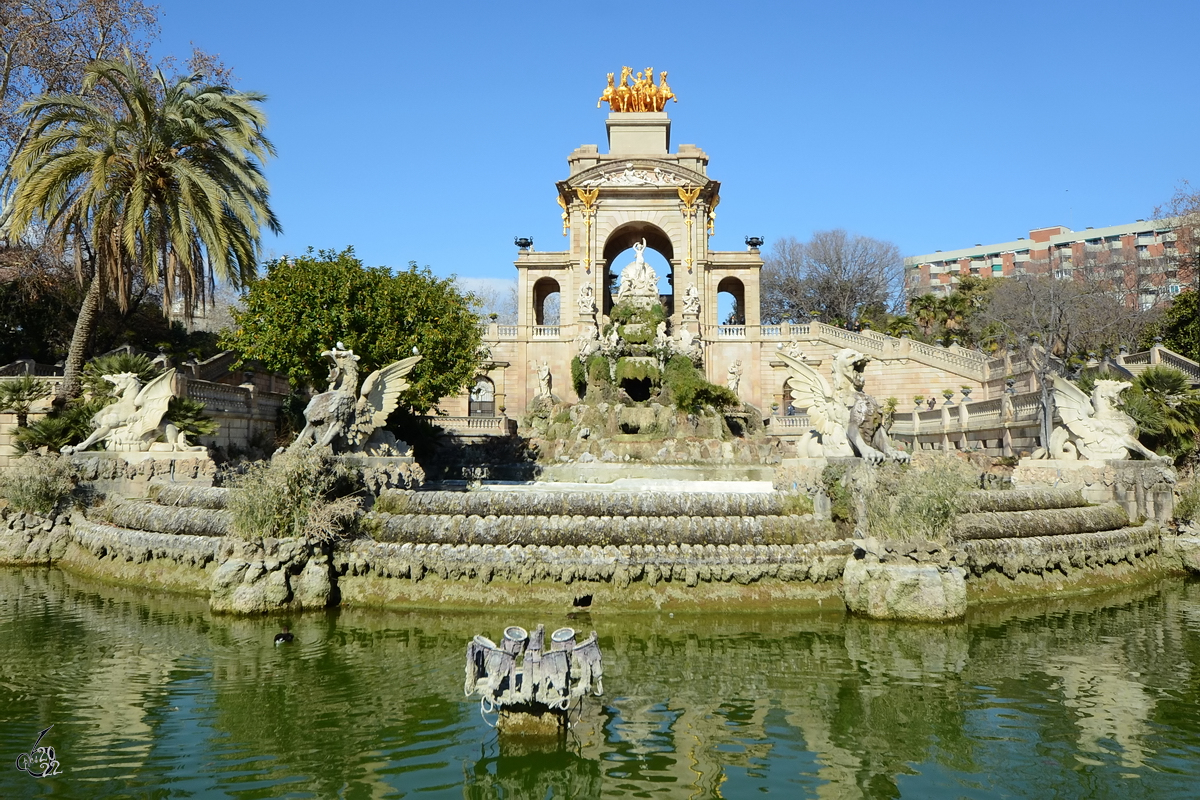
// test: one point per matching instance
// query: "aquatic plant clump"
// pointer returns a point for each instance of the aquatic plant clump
(38, 484)
(905, 502)
(307, 494)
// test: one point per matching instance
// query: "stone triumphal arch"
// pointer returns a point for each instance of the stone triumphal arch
(641, 193)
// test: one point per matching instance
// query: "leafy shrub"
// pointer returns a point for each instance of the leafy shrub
(38, 484)
(579, 380)
(72, 424)
(691, 392)
(1187, 507)
(308, 494)
(188, 415)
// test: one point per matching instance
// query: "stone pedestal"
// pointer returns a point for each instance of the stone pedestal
(1144, 488)
(644, 133)
(130, 474)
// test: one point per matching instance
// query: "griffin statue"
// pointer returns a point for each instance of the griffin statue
(845, 420)
(349, 420)
(1094, 428)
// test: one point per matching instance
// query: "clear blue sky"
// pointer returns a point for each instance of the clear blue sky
(434, 131)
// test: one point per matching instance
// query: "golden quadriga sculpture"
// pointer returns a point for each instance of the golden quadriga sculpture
(641, 95)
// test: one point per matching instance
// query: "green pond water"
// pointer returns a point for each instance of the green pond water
(150, 695)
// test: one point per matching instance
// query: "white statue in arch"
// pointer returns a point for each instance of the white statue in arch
(638, 279)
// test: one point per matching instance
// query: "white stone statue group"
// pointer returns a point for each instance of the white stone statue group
(639, 281)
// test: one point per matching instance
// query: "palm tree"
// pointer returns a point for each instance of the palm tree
(1171, 399)
(926, 311)
(146, 178)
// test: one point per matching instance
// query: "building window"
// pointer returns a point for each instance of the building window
(483, 398)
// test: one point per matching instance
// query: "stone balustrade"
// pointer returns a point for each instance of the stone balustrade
(1000, 426)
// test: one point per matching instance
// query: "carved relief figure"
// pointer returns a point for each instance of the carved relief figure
(691, 301)
(587, 301)
(1095, 428)
(661, 340)
(135, 421)
(630, 176)
(688, 343)
(588, 341)
(846, 421)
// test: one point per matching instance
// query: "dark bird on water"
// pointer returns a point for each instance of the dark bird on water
(285, 636)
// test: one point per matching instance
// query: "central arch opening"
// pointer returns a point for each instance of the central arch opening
(618, 252)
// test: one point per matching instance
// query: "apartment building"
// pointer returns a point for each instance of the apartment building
(1138, 260)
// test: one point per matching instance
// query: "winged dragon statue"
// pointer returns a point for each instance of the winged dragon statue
(845, 420)
(350, 420)
(1094, 427)
(134, 424)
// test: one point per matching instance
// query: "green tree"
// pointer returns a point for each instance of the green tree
(1180, 325)
(926, 311)
(304, 305)
(165, 183)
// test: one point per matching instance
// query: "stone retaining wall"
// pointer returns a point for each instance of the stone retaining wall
(621, 565)
(249, 577)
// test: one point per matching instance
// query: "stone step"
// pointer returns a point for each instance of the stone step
(195, 497)
(585, 503)
(1021, 500)
(180, 520)
(1042, 522)
(600, 530)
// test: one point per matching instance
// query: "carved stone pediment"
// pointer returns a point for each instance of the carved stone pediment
(647, 173)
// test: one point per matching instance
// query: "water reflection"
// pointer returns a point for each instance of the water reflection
(151, 695)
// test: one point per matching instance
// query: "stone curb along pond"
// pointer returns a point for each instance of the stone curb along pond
(694, 551)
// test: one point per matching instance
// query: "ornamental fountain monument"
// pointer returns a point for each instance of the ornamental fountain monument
(662, 487)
